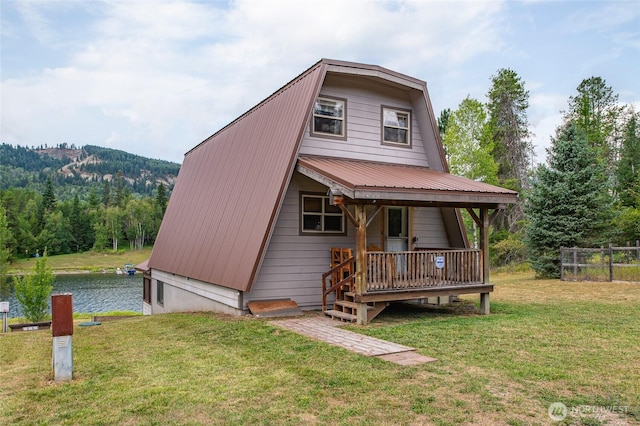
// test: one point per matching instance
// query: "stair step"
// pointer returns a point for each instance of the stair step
(342, 315)
(348, 304)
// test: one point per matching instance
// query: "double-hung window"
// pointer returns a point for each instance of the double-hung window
(319, 216)
(329, 117)
(396, 126)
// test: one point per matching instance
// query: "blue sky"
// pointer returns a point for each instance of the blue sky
(155, 78)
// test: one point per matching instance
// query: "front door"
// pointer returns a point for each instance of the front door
(397, 236)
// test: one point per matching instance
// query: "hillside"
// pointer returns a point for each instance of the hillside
(75, 170)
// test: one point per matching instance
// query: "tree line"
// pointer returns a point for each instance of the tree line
(586, 194)
(32, 222)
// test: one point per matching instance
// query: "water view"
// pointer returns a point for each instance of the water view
(92, 293)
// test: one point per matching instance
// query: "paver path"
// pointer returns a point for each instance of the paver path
(328, 330)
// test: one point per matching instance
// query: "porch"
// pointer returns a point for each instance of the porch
(398, 276)
(366, 281)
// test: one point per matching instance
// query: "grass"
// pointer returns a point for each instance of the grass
(546, 341)
(85, 262)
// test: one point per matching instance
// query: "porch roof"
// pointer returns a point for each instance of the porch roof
(373, 182)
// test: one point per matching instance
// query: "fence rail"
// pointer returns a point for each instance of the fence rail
(600, 264)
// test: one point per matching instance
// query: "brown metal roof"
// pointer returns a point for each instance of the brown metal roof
(366, 180)
(230, 188)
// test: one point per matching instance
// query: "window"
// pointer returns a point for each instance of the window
(396, 126)
(160, 293)
(146, 289)
(318, 216)
(329, 117)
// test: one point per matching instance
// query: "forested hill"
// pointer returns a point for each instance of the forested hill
(75, 170)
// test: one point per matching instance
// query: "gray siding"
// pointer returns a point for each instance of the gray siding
(294, 263)
(363, 111)
(429, 228)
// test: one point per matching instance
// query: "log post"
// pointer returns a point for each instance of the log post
(361, 260)
(484, 245)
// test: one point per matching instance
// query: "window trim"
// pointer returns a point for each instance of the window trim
(312, 130)
(409, 143)
(324, 197)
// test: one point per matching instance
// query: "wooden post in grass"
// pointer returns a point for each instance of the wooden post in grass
(484, 244)
(610, 262)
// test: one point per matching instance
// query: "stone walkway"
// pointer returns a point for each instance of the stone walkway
(327, 330)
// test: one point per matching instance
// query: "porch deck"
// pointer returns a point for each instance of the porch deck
(397, 276)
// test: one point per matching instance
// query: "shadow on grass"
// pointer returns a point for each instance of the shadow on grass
(401, 312)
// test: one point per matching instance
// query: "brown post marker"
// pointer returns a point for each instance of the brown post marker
(62, 314)
(62, 330)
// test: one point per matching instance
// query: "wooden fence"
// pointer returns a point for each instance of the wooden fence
(600, 264)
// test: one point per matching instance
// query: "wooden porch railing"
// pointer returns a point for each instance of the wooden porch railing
(423, 269)
(338, 279)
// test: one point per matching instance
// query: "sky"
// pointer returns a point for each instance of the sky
(156, 78)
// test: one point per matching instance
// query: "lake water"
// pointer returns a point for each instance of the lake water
(92, 293)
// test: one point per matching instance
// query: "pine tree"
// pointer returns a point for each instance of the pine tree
(508, 104)
(508, 101)
(569, 203)
(628, 170)
(595, 111)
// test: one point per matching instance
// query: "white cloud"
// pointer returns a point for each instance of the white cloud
(157, 77)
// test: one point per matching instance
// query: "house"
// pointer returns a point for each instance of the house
(333, 192)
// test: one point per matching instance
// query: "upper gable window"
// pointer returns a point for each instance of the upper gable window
(396, 126)
(329, 117)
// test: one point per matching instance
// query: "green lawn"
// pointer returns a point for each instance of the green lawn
(545, 342)
(85, 262)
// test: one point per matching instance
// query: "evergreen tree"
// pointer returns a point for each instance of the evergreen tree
(94, 201)
(508, 104)
(161, 200)
(5, 250)
(569, 204)
(106, 194)
(628, 170)
(595, 111)
(509, 128)
(443, 121)
(80, 226)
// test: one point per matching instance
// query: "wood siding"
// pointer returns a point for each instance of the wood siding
(294, 263)
(428, 226)
(363, 112)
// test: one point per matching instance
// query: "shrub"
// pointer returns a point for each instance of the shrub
(33, 290)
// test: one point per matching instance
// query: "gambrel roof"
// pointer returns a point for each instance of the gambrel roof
(230, 188)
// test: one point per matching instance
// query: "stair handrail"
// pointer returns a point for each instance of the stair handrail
(334, 272)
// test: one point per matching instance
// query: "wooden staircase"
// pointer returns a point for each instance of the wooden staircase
(340, 280)
(347, 310)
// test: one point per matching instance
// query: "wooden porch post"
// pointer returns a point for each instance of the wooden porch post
(484, 245)
(361, 261)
